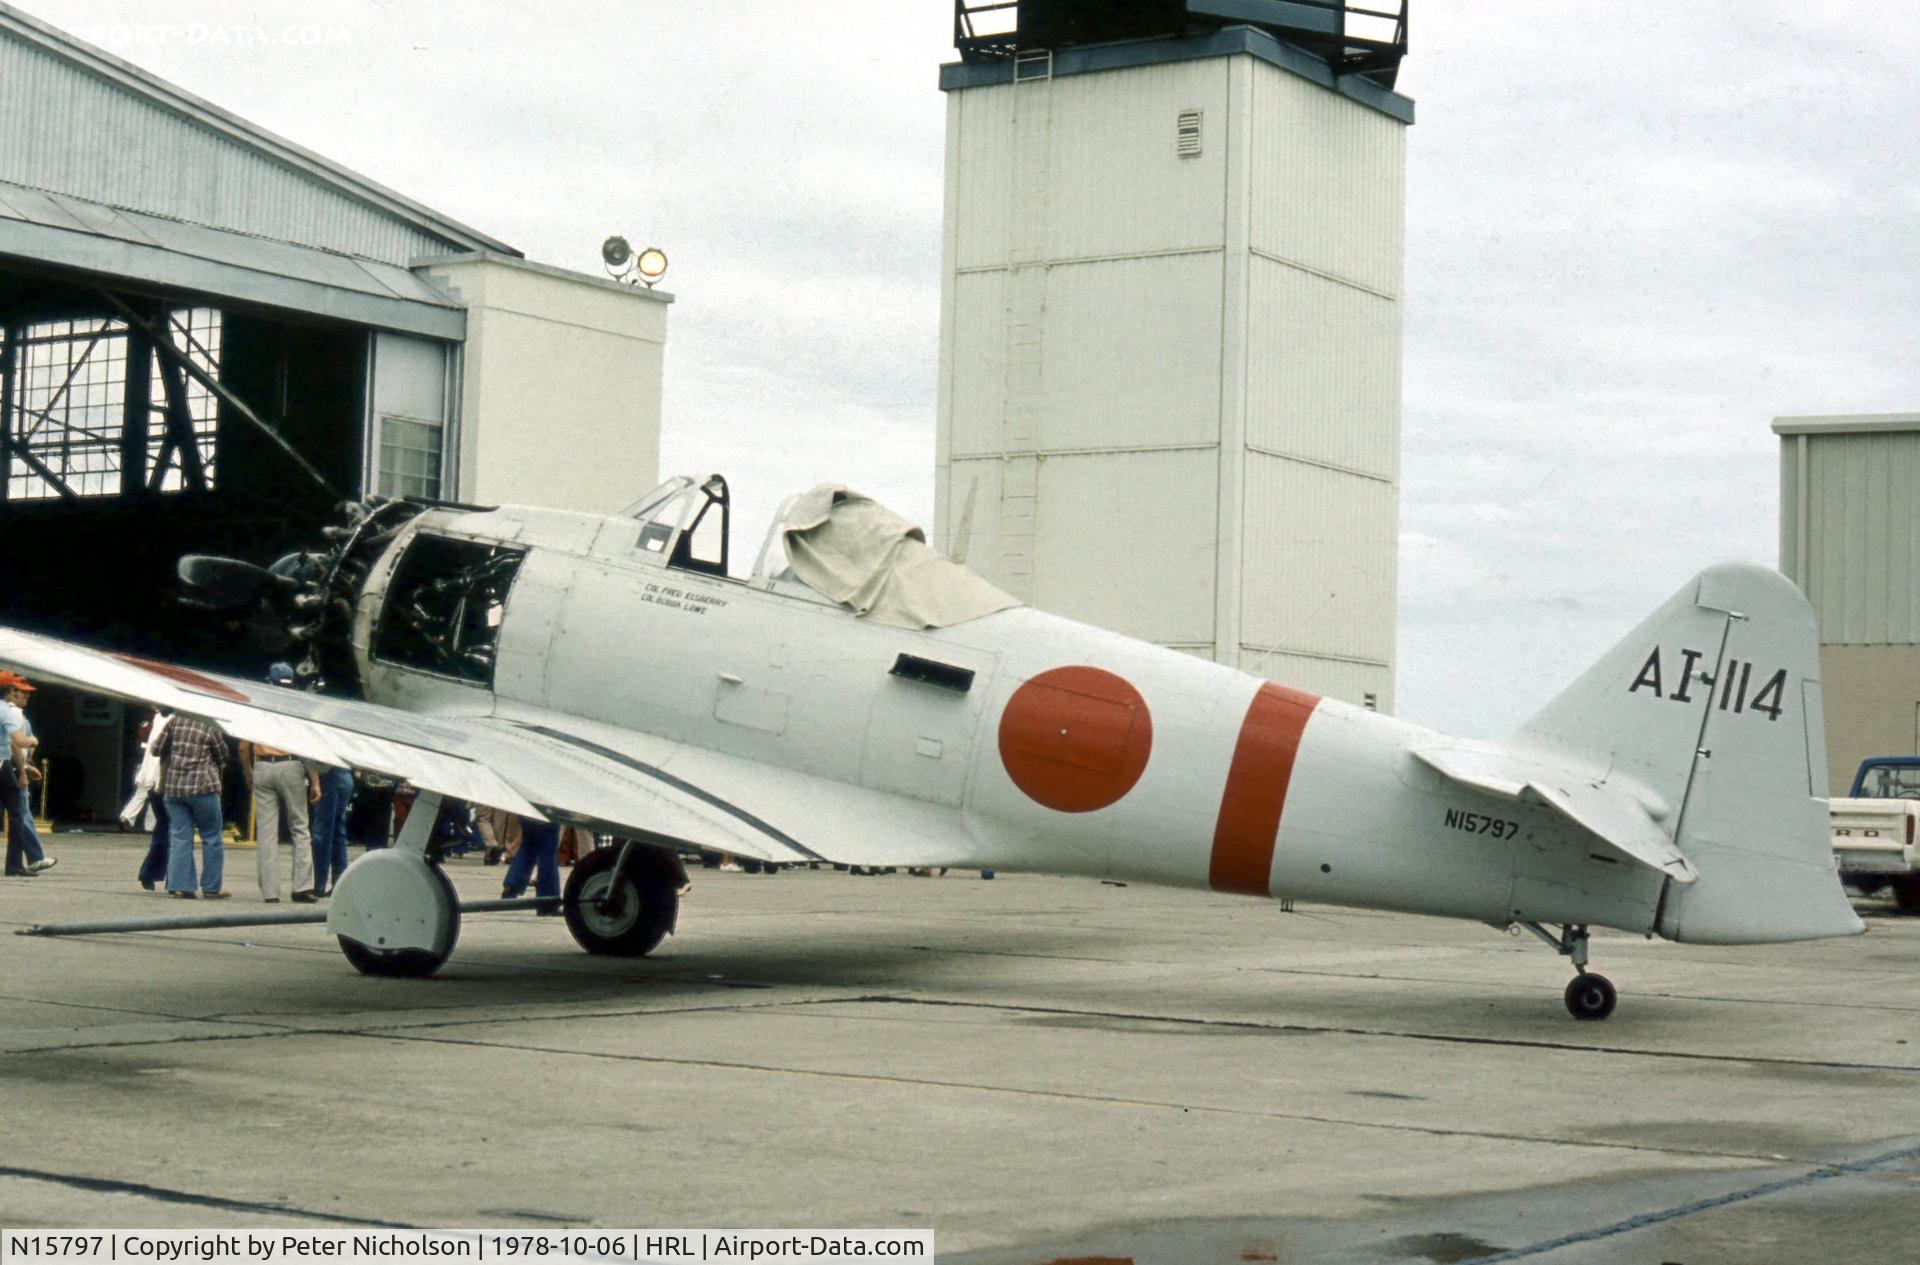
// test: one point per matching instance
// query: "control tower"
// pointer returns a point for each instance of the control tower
(1171, 323)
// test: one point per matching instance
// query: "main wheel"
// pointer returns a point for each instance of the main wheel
(1590, 996)
(624, 916)
(409, 963)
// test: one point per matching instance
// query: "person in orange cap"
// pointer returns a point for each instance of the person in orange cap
(25, 857)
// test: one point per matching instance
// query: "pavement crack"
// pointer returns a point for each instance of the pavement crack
(1056, 1095)
(163, 1194)
(1009, 953)
(277, 1030)
(1826, 1172)
(1446, 1038)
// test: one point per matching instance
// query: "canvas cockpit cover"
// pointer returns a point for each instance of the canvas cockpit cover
(856, 551)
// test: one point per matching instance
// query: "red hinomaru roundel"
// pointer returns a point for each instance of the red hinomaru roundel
(1075, 739)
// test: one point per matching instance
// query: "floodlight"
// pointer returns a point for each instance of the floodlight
(651, 264)
(615, 252)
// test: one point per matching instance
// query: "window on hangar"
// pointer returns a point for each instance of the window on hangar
(83, 397)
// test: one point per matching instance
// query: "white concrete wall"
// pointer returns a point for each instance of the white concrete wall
(1170, 386)
(561, 383)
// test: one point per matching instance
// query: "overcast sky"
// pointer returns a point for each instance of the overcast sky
(1637, 232)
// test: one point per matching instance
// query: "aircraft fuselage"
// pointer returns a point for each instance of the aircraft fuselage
(1018, 740)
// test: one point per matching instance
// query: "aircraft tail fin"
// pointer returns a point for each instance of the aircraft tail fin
(1708, 716)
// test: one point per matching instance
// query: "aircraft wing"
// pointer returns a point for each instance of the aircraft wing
(817, 818)
(1615, 816)
(529, 768)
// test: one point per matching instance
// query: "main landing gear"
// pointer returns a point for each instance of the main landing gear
(1589, 996)
(394, 913)
(623, 901)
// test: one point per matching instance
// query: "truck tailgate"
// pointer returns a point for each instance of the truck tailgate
(1874, 835)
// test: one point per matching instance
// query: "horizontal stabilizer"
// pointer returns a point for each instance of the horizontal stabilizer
(1615, 816)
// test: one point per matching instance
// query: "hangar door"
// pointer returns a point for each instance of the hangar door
(412, 441)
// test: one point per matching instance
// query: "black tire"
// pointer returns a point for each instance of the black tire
(395, 964)
(1906, 893)
(649, 903)
(407, 963)
(1591, 996)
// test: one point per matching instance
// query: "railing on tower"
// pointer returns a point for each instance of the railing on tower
(1355, 39)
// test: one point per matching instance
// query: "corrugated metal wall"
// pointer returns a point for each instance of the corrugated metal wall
(1321, 513)
(69, 131)
(1329, 182)
(1850, 532)
(1171, 385)
(1080, 332)
(1321, 552)
(1850, 538)
(1110, 187)
(1323, 371)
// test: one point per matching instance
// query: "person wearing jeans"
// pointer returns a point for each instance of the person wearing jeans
(185, 814)
(17, 744)
(330, 829)
(195, 755)
(539, 852)
(153, 867)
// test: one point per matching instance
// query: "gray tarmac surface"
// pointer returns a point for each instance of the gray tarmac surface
(1041, 1070)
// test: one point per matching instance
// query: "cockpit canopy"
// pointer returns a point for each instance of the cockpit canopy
(686, 523)
(829, 542)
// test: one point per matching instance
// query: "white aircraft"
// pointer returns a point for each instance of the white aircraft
(861, 699)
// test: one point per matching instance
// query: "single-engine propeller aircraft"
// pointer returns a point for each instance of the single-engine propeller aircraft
(861, 699)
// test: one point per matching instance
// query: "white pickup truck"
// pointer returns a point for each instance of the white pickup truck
(1873, 829)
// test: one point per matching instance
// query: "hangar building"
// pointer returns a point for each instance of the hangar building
(209, 336)
(1850, 538)
(1171, 323)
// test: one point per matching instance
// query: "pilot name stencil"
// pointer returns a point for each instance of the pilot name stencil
(1735, 684)
(679, 599)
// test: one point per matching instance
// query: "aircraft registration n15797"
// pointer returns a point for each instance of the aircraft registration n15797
(860, 699)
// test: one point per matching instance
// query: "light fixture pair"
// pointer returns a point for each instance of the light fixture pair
(623, 264)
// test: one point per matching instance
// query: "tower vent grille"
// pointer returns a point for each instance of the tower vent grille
(1187, 134)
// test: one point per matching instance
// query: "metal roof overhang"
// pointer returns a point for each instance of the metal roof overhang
(1847, 424)
(116, 244)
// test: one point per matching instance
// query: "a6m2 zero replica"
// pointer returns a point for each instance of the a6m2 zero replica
(860, 699)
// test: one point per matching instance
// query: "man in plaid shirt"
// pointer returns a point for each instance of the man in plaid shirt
(193, 758)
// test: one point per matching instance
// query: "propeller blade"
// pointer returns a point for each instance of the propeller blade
(222, 581)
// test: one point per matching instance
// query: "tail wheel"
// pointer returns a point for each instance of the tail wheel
(409, 963)
(1590, 996)
(623, 915)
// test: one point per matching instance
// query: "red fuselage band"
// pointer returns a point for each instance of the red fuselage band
(1256, 791)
